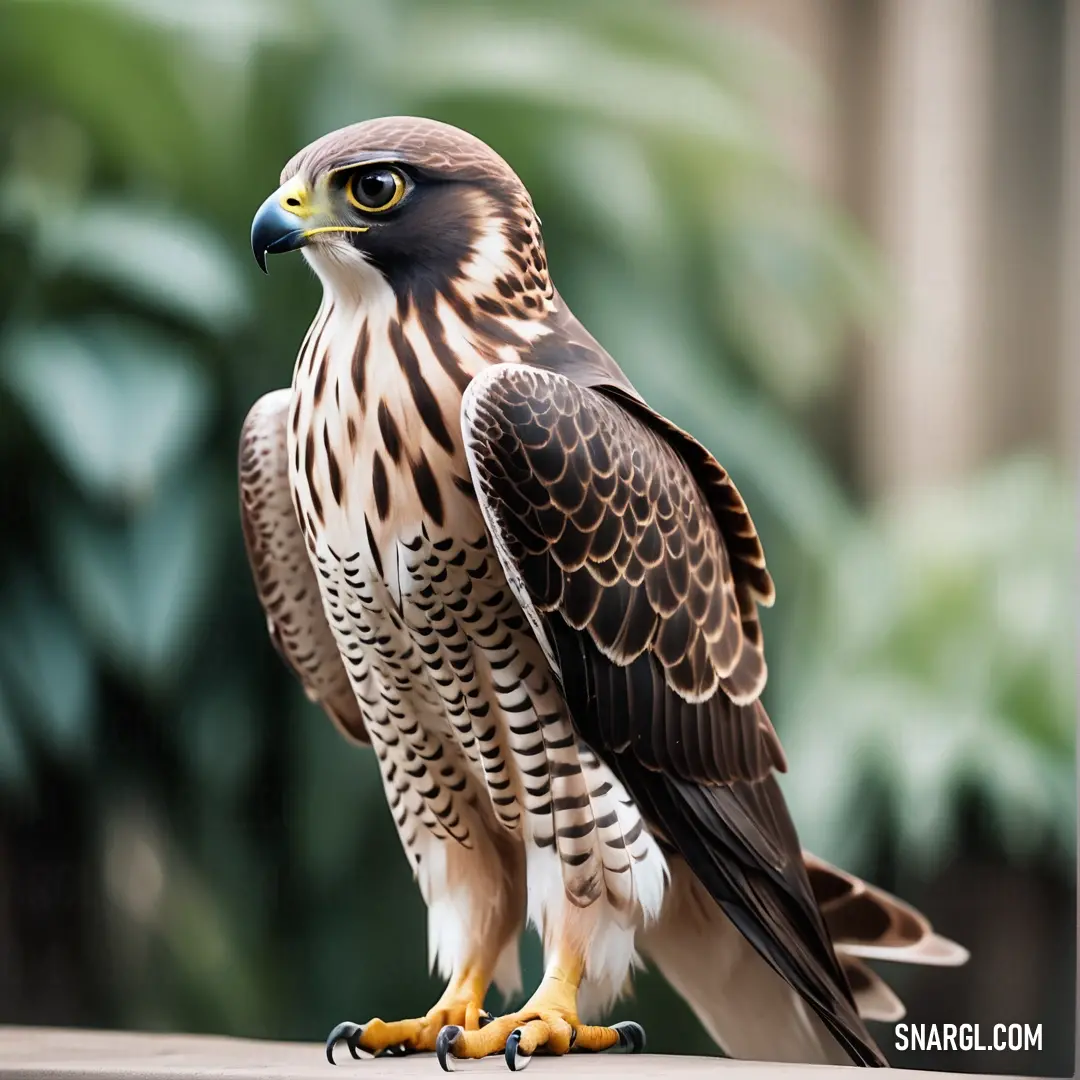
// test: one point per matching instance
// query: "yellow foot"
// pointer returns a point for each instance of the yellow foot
(520, 1035)
(404, 1036)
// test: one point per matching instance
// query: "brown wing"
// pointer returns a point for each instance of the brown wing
(284, 578)
(642, 582)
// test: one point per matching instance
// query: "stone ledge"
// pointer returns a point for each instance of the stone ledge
(66, 1054)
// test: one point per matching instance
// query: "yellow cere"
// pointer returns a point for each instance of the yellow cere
(295, 198)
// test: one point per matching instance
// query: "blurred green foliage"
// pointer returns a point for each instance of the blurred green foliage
(935, 663)
(236, 862)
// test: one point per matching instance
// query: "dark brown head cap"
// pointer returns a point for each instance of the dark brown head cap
(412, 140)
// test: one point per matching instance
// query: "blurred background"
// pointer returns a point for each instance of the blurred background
(836, 239)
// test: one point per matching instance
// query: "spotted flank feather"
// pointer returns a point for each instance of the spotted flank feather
(286, 583)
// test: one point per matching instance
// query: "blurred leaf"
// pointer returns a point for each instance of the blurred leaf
(229, 27)
(219, 732)
(110, 73)
(912, 656)
(789, 278)
(469, 52)
(163, 894)
(628, 193)
(45, 662)
(336, 794)
(49, 172)
(171, 261)
(118, 404)
(140, 586)
(14, 766)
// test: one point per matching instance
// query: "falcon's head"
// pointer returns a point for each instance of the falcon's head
(416, 204)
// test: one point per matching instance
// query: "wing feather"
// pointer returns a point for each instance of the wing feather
(284, 578)
(660, 656)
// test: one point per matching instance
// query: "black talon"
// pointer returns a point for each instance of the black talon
(350, 1033)
(444, 1046)
(516, 1060)
(485, 1019)
(631, 1037)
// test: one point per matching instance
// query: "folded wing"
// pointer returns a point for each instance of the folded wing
(633, 556)
(284, 578)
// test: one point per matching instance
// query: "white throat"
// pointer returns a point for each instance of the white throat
(349, 281)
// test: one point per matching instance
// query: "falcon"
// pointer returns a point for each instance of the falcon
(536, 599)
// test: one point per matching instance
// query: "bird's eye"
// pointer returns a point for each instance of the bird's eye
(375, 190)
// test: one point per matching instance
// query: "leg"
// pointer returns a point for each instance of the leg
(593, 942)
(461, 1004)
(547, 1021)
(475, 911)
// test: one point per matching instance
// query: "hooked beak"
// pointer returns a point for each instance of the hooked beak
(282, 222)
(290, 218)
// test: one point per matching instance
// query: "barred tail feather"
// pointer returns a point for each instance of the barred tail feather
(745, 1006)
(867, 922)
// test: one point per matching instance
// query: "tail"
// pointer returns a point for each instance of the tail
(867, 923)
(747, 1008)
